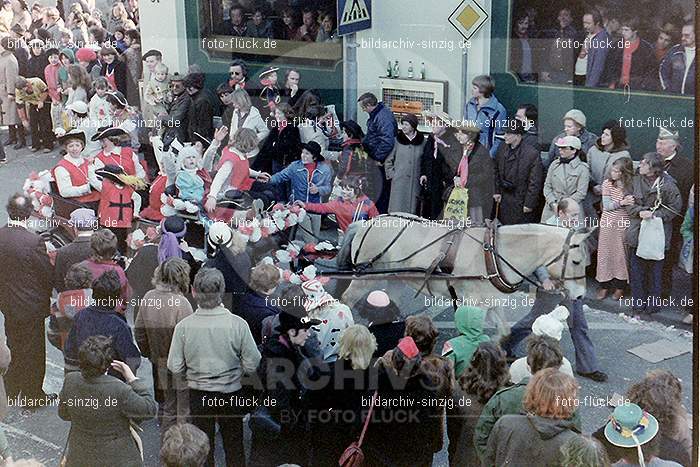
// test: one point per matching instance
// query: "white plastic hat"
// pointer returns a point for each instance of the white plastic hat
(220, 234)
(551, 324)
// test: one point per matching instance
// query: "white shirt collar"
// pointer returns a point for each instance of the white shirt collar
(76, 162)
(671, 156)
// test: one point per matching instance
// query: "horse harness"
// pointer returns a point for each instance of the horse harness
(445, 260)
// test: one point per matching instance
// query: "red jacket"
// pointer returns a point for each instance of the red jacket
(346, 212)
(116, 210)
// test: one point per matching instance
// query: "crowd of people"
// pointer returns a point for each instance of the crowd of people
(620, 45)
(307, 21)
(229, 341)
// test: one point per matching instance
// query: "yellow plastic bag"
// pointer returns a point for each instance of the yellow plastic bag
(457, 206)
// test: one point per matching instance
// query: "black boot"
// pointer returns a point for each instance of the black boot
(21, 138)
(13, 135)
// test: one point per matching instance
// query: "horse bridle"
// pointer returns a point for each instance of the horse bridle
(565, 253)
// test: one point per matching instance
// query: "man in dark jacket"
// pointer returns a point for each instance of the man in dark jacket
(229, 257)
(285, 353)
(379, 139)
(645, 275)
(639, 71)
(201, 112)
(175, 123)
(597, 45)
(682, 170)
(677, 69)
(102, 319)
(558, 66)
(258, 304)
(518, 177)
(24, 300)
(84, 223)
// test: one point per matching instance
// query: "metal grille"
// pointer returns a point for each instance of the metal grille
(402, 102)
(407, 96)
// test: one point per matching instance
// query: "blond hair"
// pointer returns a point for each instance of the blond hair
(241, 99)
(357, 344)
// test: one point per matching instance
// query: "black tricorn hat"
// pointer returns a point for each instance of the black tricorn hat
(294, 319)
(107, 132)
(116, 98)
(111, 172)
(72, 135)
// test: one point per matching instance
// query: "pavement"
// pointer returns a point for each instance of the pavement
(42, 435)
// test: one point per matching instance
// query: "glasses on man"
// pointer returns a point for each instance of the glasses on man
(236, 73)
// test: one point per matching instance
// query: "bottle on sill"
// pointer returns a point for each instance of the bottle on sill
(389, 72)
(396, 71)
(410, 69)
(422, 70)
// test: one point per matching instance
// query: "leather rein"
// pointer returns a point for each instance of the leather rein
(445, 260)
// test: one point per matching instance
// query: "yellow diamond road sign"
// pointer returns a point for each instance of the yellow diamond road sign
(468, 17)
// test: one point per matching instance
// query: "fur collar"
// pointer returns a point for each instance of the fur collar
(417, 140)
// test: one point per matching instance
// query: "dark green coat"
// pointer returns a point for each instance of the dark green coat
(99, 433)
(507, 401)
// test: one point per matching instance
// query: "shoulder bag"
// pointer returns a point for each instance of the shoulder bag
(353, 455)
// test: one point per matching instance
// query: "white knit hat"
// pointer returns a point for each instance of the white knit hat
(577, 116)
(551, 324)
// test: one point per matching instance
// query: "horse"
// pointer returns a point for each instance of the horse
(464, 265)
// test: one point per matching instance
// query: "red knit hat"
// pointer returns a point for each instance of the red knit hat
(408, 347)
(85, 55)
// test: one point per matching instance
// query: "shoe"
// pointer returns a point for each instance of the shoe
(19, 145)
(597, 376)
(35, 149)
(618, 294)
(3, 161)
(46, 150)
(688, 319)
(602, 293)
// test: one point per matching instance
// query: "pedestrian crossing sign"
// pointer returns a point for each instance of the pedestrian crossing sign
(354, 15)
(468, 17)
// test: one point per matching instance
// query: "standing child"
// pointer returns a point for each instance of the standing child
(117, 208)
(611, 271)
(270, 93)
(156, 92)
(52, 82)
(99, 107)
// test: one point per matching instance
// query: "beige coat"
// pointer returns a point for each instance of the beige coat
(9, 70)
(5, 358)
(565, 181)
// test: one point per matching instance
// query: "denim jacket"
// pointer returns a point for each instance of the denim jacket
(297, 174)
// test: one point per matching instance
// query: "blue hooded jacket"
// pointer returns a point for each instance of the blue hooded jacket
(490, 118)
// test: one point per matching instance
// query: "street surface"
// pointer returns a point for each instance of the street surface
(42, 435)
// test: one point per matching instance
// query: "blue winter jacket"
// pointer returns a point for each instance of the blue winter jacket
(491, 118)
(297, 174)
(672, 72)
(381, 133)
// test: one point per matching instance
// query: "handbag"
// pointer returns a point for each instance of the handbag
(652, 239)
(353, 455)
